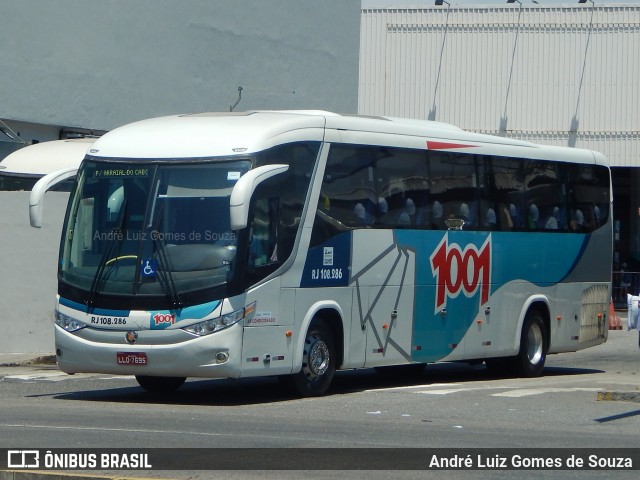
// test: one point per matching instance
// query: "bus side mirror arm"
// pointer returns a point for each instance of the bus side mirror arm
(40, 188)
(243, 190)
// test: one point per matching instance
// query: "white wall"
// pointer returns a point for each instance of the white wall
(99, 64)
(28, 275)
(564, 76)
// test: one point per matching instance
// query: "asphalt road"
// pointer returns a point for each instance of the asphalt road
(452, 406)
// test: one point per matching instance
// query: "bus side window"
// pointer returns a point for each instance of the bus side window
(588, 188)
(264, 233)
(264, 256)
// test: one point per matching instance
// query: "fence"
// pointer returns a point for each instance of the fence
(624, 283)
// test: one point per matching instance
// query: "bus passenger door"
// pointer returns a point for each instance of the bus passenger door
(383, 277)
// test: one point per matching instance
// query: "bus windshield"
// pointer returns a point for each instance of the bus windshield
(150, 229)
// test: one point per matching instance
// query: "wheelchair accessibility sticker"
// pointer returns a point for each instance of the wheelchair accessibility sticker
(149, 268)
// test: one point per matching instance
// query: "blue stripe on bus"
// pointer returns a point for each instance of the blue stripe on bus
(514, 257)
(328, 265)
(194, 312)
(541, 259)
(97, 311)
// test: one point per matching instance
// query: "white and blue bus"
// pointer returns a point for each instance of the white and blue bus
(297, 243)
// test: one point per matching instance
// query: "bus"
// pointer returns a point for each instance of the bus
(298, 243)
(21, 169)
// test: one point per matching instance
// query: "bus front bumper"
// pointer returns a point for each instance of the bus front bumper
(94, 351)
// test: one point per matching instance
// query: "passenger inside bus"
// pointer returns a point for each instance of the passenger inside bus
(506, 222)
(490, 219)
(552, 221)
(410, 210)
(515, 217)
(577, 223)
(532, 218)
(436, 216)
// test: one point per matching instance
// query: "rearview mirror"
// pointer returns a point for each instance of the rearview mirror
(243, 190)
(40, 188)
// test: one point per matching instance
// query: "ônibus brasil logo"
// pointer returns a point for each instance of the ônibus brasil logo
(458, 270)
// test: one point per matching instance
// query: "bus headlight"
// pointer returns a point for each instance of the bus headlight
(67, 323)
(225, 321)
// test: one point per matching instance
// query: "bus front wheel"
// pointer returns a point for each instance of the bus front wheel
(318, 362)
(533, 346)
(160, 384)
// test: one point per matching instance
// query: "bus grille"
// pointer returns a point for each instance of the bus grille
(594, 313)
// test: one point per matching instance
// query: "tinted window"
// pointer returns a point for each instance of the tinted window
(383, 187)
(277, 206)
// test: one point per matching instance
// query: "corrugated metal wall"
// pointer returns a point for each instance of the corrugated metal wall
(562, 76)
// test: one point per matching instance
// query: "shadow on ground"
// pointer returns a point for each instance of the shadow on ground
(229, 392)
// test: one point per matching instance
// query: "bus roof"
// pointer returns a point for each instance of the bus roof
(46, 157)
(237, 133)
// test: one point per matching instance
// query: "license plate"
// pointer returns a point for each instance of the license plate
(131, 358)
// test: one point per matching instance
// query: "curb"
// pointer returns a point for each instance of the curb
(26, 361)
(619, 397)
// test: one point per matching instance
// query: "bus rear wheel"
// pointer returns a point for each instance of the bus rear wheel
(533, 346)
(160, 384)
(318, 362)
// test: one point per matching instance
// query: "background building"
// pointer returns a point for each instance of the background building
(565, 76)
(77, 67)
(556, 75)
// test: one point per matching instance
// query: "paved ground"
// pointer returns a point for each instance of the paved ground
(441, 407)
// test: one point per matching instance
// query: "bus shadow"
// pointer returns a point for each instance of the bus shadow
(195, 392)
(562, 371)
(441, 374)
(228, 392)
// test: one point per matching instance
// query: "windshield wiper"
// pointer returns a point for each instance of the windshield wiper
(165, 266)
(115, 238)
(163, 261)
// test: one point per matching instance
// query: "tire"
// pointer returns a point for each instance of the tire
(533, 347)
(160, 384)
(318, 362)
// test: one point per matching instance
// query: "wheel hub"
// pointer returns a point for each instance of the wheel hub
(535, 344)
(317, 356)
